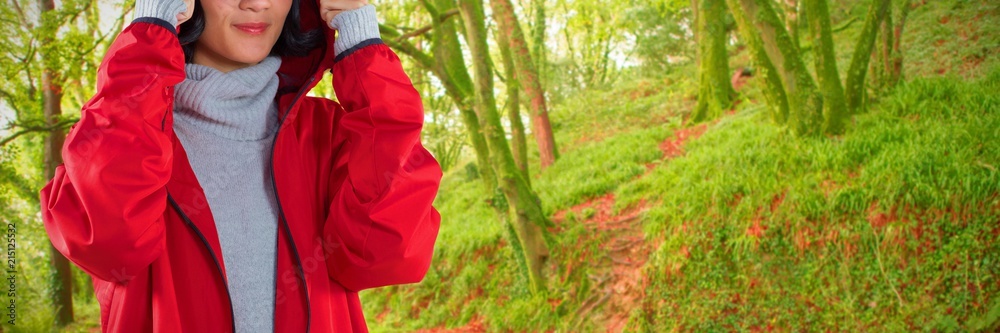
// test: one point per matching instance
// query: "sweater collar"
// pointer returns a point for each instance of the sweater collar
(238, 105)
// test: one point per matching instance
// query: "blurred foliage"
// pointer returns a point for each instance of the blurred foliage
(663, 34)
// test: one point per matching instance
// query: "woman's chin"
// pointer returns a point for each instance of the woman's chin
(250, 57)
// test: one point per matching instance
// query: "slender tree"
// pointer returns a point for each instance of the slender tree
(792, 19)
(887, 63)
(834, 105)
(527, 76)
(715, 92)
(517, 206)
(517, 135)
(855, 84)
(61, 281)
(882, 54)
(896, 70)
(448, 65)
(774, 91)
(528, 218)
(538, 27)
(804, 101)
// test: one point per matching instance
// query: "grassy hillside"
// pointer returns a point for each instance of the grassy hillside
(736, 224)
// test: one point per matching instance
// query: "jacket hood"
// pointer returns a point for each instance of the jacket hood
(297, 73)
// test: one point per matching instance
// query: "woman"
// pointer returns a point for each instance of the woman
(205, 192)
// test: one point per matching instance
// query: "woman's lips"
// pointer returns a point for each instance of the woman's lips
(252, 28)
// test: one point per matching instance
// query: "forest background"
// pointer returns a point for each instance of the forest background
(624, 165)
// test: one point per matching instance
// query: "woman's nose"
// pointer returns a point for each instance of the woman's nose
(255, 5)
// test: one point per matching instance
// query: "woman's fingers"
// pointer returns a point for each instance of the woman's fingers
(331, 8)
(329, 14)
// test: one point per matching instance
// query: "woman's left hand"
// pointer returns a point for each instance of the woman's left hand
(329, 9)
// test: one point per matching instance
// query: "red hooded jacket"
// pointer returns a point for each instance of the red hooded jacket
(354, 187)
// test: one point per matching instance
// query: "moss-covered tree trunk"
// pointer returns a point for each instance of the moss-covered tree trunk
(834, 104)
(524, 204)
(804, 102)
(774, 91)
(449, 66)
(887, 64)
(538, 27)
(527, 76)
(451, 69)
(61, 280)
(715, 92)
(855, 84)
(517, 135)
(896, 70)
(792, 19)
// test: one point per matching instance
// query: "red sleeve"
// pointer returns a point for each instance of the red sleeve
(384, 182)
(104, 207)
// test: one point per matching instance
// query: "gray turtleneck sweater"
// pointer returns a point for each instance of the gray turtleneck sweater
(226, 123)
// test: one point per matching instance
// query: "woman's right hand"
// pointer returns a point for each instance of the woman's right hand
(174, 12)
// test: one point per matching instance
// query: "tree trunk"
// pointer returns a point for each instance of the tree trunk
(715, 92)
(774, 91)
(834, 105)
(524, 203)
(538, 38)
(881, 57)
(514, 108)
(896, 70)
(527, 76)
(855, 85)
(804, 103)
(450, 68)
(61, 279)
(792, 19)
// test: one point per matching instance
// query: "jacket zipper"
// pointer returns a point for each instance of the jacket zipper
(281, 212)
(282, 220)
(215, 259)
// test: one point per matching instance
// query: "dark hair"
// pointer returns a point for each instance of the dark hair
(292, 41)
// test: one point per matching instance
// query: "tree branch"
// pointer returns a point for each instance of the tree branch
(842, 26)
(422, 58)
(423, 30)
(62, 124)
(430, 7)
(21, 16)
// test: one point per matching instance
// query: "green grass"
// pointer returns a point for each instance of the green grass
(952, 37)
(927, 155)
(597, 168)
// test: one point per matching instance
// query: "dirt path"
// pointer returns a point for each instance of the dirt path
(618, 272)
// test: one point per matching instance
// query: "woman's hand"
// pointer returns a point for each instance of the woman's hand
(186, 15)
(329, 9)
(173, 11)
